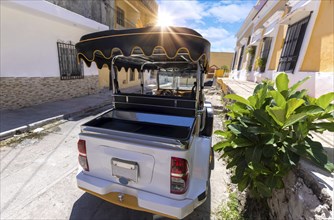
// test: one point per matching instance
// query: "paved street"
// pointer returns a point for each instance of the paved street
(38, 179)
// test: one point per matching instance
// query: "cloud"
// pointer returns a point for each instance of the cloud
(183, 12)
(221, 40)
(230, 13)
(217, 21)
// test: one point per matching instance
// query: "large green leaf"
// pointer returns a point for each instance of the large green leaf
(263, 190)
(293, 119)
(330, 108)
(325, 125)
(240, 108)
(221, 145)
(279, 99)
(249, 120)
(330, 167)
(299, 94)
(263, 117)
(237, 98)
(295, 86)
(310, 110)
(259, 168)
(292, 105)
(259, 130)
(242, 142)
(316, 152)
(235, 129)
(261, 96)
(282, 82)
(239, 171)
(244, 182)
(274, 182)
(324, 100)
(253, 154)
(268, 151)
(235, 161)
(252, 100)
(277, 113)
(225, 134)
(257, 88)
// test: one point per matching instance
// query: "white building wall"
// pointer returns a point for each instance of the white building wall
(29, 68)
(29, 37)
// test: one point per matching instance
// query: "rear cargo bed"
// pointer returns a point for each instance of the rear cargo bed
(173, 127)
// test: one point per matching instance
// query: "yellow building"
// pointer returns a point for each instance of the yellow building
(219, 60)
(295, 37)
(130, 14)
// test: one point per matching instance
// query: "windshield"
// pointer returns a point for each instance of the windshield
(176, 80)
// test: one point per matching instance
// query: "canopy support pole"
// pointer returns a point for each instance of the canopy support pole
(112, 72)
(199, 112)
(198, 80)
(142, 79)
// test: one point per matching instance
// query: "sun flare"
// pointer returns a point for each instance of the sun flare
(164, 19)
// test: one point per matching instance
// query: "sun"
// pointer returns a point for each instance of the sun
(164, 19)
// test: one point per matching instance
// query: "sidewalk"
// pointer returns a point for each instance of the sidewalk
(21, 120)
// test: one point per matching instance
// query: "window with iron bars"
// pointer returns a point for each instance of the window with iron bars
(120, 16)
(266, 47)
(68, 65)
(241, 56)
(292, 44)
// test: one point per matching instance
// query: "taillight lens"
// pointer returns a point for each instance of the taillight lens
(82, 147)
(179, 175)
(83, 161)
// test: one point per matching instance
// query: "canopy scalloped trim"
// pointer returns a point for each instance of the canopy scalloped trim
(146, 33)
(100, 53)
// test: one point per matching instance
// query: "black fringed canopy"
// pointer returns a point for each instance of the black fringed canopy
(149, 45)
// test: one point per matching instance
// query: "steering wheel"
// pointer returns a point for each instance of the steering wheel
(167, 92)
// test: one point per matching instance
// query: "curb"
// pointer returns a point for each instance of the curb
(69, 116)
(10, 133)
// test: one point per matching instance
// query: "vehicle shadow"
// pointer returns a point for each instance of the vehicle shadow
(91, 207)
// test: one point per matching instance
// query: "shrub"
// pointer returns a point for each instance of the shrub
(260, 63)
(269, 132)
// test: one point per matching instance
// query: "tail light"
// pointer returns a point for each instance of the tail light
(179, 175)
(83, 155)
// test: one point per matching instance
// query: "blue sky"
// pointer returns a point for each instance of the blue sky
(218, 21)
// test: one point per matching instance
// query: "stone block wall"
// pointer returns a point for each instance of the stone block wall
(307, 194)
(18, 92)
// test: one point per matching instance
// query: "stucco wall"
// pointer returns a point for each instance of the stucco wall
(221, 58)
(29, 67)
(278, 46)
(101, 11)
(29, 43)
(319, 56)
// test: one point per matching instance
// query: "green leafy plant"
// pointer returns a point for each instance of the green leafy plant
(226, 69)
(230, 210)
(269, 132)
(261, 64)
(251, 50)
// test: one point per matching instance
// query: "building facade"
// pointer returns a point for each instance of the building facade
(129, 14)
(295, 37)
(220, 63)
(38, 58)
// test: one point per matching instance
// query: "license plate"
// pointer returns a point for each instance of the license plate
(124, 168)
